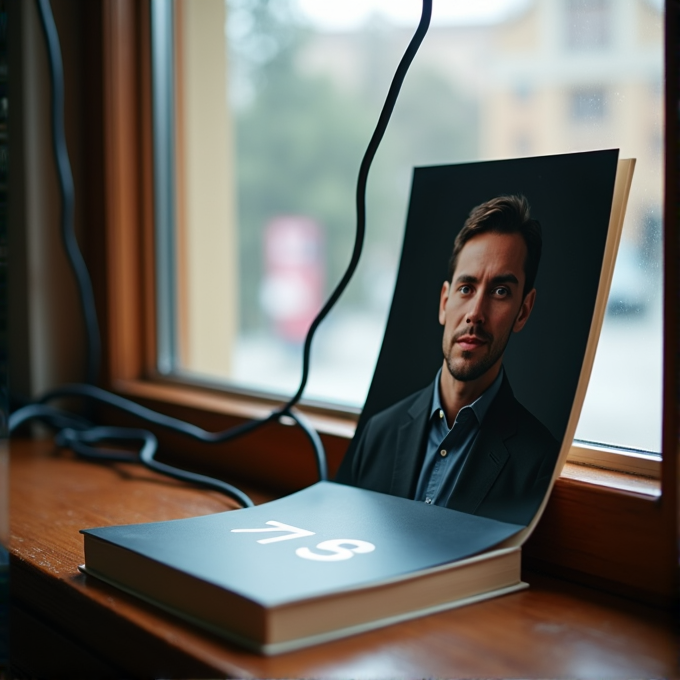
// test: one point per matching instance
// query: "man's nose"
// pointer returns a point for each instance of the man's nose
(475, 311)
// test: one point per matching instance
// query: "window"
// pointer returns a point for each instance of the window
(589, 24)
(587, 105)
(522, 144)
(622, 541)
(522, 93)
(273, 108)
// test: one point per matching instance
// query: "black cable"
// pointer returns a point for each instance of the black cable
(79, 441)
(75, 432)
(174, 424)
(314, 440)
(362, 180)
(68, 237)
(52, 416)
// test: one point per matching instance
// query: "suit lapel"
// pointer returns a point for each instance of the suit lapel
(487, 456)
(409, 454)
(482, 466)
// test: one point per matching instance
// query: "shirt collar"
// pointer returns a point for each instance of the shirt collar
(480, 406)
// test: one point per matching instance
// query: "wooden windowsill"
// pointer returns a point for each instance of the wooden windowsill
(342, 425)
(325, 420)
(625, 482)
(554, 629)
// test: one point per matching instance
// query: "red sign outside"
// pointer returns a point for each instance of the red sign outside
(292, 289)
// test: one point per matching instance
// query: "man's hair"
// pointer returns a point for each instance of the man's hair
(503, 215)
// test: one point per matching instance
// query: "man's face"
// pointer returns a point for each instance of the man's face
(483, 304)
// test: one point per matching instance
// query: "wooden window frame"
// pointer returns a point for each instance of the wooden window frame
(619, 537)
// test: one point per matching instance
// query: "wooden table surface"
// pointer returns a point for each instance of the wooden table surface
(67, 625)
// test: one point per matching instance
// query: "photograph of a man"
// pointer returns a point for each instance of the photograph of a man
(464, 441)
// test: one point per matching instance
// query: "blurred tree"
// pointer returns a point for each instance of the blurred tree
(299, 144)
(300, 139)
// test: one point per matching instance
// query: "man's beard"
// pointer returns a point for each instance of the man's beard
(469, 370)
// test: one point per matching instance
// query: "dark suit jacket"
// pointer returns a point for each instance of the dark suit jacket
(505, 475)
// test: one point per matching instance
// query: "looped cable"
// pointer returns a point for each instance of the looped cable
(81, 442)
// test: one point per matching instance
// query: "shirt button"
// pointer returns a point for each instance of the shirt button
(441, 414)
(442, 453)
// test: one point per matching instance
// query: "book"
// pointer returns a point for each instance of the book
(333, 560)
(325, 562)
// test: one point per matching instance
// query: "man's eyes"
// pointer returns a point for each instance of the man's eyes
(497, 291)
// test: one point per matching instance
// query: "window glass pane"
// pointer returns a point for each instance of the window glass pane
(589, 24)
(275, 103)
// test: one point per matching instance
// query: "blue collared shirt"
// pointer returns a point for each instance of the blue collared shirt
(447, 449)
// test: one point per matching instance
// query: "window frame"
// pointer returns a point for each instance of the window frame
(593, 530)
(174, 283)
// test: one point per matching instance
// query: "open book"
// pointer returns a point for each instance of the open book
(333, 560)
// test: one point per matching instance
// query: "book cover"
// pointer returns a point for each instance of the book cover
(234, 571)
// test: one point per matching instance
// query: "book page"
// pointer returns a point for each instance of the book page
(494, 320)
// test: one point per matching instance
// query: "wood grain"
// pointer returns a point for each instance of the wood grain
(554, 629)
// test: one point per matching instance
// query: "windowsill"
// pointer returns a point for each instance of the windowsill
(611, 458)
(236, 405)
(612, 479)
(342, 426)
(81, 621)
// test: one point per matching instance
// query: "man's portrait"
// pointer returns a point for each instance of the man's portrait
(464, 441)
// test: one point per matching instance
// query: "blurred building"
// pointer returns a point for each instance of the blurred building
(552, 76)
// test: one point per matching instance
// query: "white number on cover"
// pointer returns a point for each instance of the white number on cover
(336, 550)
(293, 532)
